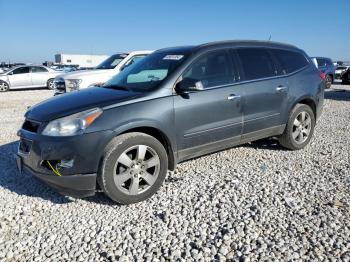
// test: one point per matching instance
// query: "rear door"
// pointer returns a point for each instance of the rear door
(39, 76)
(20, 77)
(265, 92)
(210, 119)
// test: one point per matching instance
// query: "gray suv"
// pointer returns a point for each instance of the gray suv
(326, 66)
(176, 104)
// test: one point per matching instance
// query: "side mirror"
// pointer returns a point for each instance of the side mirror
(10, 73)
(187, 85)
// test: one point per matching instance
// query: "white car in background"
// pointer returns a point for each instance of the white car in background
(28, 76)
(340, 70)
(77, 80)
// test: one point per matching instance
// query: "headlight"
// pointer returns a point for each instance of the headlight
(73, 84)
(73, 124)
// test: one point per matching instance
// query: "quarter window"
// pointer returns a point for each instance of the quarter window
(290, 61)
(213, 69)
(257, 63)
(21, 70)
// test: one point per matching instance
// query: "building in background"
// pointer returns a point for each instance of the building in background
(85, 61)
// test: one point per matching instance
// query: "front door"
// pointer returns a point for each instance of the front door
(210, 119)
(20, 77)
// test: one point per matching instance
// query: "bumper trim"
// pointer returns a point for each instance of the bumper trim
(77, 186)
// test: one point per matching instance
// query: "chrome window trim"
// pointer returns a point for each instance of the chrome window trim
(238, 81)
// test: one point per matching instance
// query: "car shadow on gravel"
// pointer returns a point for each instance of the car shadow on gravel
(23, 184)
(337, 94)
(266, 143)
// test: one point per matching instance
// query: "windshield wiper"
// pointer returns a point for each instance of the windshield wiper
(117, 87)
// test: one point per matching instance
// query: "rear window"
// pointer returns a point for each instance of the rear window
(290, 61)
(257, 63)
(321, 62)
(329, 62)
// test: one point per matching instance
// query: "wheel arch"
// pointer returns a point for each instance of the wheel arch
(161, 137)
(6, 82)
(155, 131)
(306, 100)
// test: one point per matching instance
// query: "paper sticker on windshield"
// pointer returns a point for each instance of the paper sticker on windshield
(173, 57)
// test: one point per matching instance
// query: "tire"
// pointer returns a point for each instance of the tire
(50, 84)
(289, 139)
(124, 177)
(4, 87)
(329, 81)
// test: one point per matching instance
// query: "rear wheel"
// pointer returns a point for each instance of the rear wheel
(329, 81)
(4, 86)
(50, 84)
(299, 129)
(133, 168)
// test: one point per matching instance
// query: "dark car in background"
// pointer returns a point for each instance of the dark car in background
(346, 77)
(326, 66)
(175, 104)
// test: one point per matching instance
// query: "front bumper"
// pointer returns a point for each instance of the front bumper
(77, 186)
(85, 151)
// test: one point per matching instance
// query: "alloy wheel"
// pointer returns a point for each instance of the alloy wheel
(3, 87)
(136, 169)
(301, 127)
(51, 85)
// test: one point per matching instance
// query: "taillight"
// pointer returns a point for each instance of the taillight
(322, 75)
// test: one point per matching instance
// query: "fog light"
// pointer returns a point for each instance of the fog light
(66, 163)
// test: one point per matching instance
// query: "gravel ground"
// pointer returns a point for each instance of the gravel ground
(253, 202)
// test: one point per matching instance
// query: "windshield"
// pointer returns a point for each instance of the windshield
(112, 61)
(147, 74)
(341, 67)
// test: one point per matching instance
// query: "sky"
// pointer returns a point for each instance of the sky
(33, 31)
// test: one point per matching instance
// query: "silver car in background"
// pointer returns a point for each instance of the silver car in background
(28, 76)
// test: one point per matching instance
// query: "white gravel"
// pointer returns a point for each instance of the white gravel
(253, 202)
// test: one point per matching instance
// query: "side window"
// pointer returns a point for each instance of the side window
(38, 69)
(257, 63)
(321, 62)
(290, 61)
(213, 69)
(21, 70)
(134, 60)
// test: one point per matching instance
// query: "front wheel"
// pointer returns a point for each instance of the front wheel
(50, 84)
(4, 86)
(299, 129)
(133, 168)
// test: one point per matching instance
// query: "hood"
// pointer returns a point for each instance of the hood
(71, 103)
(84, 73)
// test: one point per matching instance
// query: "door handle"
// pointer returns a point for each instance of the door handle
(233, 97)
(281, 89)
